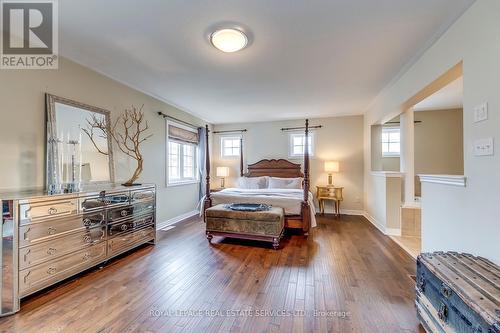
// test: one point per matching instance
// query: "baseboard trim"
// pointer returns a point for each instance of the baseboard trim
(376, 223)
(342, 211)
(176, 219)
(382, 228)
(412, 205)
(352, 212)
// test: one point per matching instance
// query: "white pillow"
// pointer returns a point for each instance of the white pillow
(252, 182)
(293, 183)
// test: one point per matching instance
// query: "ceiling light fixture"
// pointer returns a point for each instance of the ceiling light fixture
(229, 40)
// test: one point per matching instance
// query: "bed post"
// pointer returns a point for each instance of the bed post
(208, 200)
(305, 209)
(241, 156)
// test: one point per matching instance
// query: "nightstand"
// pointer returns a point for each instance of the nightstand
(332, 193)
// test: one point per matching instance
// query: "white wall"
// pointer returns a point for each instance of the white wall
(340, 139)
(22, 128)
(460, 219)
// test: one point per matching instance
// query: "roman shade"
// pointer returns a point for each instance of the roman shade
(181, 134)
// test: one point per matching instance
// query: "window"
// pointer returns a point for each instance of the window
(230, 146)
(182, 155)
(391, 142)
(297, 142)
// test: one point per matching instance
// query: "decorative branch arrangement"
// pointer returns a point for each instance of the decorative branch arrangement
(97, 124)
(128, 132)
(133, 135)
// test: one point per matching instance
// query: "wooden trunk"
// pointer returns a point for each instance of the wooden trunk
(457, 293)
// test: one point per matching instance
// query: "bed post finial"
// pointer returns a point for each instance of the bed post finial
(208, 200)
(241, 156)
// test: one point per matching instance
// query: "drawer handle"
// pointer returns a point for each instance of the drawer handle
(51, 270)
(86, 256)
(51, 230)
(124, 227)
(26, 233)
(26, 255)
(26, 277)
(51, 251)
(87, 239)
(124, 213)
(87, 222)
(52, 211)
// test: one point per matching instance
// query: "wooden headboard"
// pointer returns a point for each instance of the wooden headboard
(274, 168)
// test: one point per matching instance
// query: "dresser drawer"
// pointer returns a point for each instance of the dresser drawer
(126, 241)
(94, 219)
(142, 195)
(39, 232)
(91, 203)
(106, 200)
(41, 276)
(60, 246)
(117, 199)
(129, 225)
(127, 212)
(44, 210)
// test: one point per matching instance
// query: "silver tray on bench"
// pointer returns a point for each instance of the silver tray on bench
(248, 207)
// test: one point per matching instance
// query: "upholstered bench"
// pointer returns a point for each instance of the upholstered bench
(261, 225)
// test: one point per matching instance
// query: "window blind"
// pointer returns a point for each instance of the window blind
(182, 135)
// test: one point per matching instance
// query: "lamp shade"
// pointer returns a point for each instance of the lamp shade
(331, 166)
(222, 171)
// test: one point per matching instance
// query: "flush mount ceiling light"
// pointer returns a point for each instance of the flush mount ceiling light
(229, 40)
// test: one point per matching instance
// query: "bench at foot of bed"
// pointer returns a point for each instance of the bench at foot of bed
(265, 226)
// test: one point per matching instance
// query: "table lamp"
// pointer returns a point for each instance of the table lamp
(331, 167)
(222, 172)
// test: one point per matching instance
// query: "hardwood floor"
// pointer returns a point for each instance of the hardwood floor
(345, 265)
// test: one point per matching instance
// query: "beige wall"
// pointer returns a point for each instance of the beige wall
(340, 139)
(22, 128)
(379, 162)
(391, 164)
(376, 148)
(456, 218)
(439, 142)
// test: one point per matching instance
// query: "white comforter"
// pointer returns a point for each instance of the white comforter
(289, 199)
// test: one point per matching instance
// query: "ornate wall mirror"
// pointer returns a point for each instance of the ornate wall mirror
(79, 149)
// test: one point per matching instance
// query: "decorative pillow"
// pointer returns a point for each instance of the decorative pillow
(293, 183)
(252, 182)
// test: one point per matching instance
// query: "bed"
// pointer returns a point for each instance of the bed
(289, 199)
(297, 203)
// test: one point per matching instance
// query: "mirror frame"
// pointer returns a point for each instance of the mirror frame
(51, 130)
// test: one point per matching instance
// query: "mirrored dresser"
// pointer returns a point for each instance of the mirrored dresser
(49, 238)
